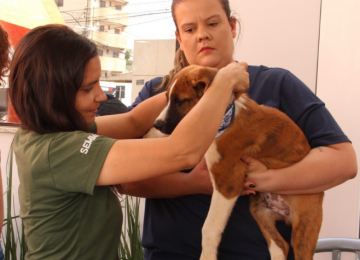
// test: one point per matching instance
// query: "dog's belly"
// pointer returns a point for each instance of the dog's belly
(276, 203)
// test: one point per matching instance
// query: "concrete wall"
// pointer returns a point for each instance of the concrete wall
(152, 58)
(288, 34)
(338, 85)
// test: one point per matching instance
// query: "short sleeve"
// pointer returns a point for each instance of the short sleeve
(281, 89)
(309, 113)
(148, 90)
(76, 159)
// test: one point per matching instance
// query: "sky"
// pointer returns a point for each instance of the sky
(149, 20)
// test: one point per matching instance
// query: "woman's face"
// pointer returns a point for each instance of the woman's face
(90, 94)
(205, 34)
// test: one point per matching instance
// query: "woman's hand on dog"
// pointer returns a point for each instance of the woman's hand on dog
(200, 180)
(255, 174)
(236, 76)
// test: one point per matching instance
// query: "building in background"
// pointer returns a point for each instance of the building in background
(103, 22)
(152, 58)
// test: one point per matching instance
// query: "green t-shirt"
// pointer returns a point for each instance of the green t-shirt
(65, 215)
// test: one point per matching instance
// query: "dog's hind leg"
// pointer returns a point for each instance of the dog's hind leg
(266, 220)
(219, 213)
(306, 222)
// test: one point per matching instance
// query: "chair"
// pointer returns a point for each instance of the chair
(338, 245)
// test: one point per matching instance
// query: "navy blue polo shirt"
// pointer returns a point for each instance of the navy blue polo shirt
(172, 227)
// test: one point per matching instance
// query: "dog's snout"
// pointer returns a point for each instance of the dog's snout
(159, 124)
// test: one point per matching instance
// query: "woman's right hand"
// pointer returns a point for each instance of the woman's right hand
(235, 74)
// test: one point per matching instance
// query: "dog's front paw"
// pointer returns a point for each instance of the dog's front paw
(154, 133)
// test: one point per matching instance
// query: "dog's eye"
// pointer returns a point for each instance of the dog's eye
(181, 101)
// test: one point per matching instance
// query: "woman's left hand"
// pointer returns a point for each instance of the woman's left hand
(256, 175)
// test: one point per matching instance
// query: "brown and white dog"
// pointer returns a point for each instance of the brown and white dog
(267, 135)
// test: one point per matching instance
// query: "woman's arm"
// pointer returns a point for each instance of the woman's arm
(175, 185)
(323, 168)
(172, 185)
(134, 160)
(134, 123)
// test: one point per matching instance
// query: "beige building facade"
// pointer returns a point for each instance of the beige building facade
(102, 21)
(152, 58)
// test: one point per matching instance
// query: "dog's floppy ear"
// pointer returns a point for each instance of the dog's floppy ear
(203, 80)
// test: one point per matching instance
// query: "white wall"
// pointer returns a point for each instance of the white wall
(279, 33)
(339, 88)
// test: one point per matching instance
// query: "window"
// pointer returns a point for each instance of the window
(59, 2)
(109, 3)
(102, 3)
(101, 28)
(122, 91)
(118, 7)
(140, 82)
(108, 27)
(117, 31)
(115, 54)
(100, 52)
(107, 51)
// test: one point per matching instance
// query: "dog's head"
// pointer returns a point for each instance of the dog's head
(183, 92)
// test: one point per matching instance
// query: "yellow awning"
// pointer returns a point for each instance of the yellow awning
(30, 13)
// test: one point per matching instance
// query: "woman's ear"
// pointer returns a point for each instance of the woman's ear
(178, 37)
(233, 26)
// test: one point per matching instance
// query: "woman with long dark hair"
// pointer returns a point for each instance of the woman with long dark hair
(68, 160)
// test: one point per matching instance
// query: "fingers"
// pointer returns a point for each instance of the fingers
(253, 177)
(244, 64)
(247, 192)
(248, 188)
(237, 76)
(254, 166)
(242, 82)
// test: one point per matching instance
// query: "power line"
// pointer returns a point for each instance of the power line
(145, 3)
(138, 14)
(112, 43)
(120, 24)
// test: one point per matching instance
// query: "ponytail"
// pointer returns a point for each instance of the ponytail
(180, 62)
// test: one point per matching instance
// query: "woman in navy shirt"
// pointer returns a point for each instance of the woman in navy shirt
(177, 204)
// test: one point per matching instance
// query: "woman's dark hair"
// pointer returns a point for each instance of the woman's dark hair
(4, 54)
(180, 60)
(47, 70)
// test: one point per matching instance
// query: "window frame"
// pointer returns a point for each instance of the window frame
(116, 54)
(122, 92)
